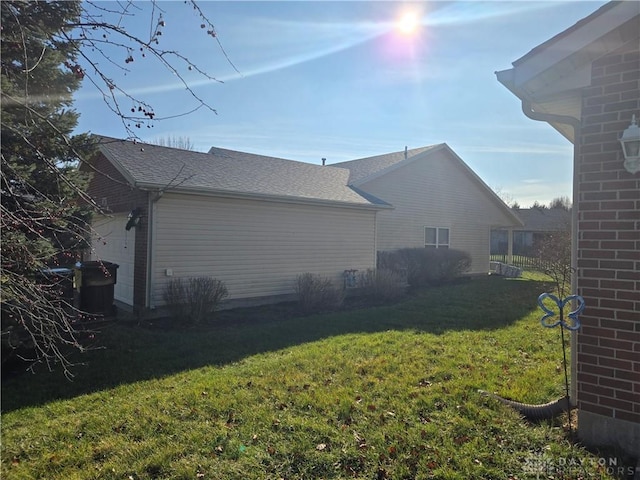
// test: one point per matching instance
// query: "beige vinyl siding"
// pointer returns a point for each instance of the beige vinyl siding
(436, 192)
(257, 247)
(111, 242)
(475, 239)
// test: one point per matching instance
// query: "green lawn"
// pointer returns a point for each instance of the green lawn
(376, 393)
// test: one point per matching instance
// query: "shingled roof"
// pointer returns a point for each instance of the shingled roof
(544, 219)
(364, 168)
(223, 171)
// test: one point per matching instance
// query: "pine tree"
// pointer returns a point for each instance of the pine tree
(48, 48)
(42, 209)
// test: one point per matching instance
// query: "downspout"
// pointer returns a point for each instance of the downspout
(375, 240)
(576, 125)
(150, 226)
(153, 197)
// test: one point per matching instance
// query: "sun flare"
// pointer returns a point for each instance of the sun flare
(408, 23)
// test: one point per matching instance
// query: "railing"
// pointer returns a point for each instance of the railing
(529, 263)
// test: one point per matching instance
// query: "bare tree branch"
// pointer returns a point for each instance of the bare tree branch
(48, 48)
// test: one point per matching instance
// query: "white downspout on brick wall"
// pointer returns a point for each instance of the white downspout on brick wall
(576, 124)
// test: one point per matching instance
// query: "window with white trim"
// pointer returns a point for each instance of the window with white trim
(436, 237)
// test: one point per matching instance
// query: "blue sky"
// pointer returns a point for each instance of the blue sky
(339, 80)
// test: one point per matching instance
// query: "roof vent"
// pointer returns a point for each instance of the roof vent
(324, 160)
(405, 151)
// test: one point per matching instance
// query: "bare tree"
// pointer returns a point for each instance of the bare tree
(100, 38)
(554, 253)
(48, 49)
(506, 197)
(561, 202)
(183, 143)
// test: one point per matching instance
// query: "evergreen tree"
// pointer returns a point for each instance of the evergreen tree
(42, 209)
(48, 48)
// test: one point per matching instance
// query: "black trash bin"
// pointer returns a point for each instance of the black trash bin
(97, 280)
(58, 281)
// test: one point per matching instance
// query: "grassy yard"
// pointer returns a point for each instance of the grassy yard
(376, 393)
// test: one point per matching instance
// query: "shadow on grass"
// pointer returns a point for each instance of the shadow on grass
(132, 353)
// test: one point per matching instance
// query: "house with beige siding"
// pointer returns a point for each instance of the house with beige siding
(251, 221)
(438, 202)
(585, 83)
(257, 222)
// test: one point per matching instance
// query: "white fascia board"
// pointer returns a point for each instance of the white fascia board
(535, 63)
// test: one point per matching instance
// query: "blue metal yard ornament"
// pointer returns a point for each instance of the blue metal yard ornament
(552, 319)
(548, 321)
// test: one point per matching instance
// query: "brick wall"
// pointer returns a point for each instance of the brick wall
(108, 187)
(608, 344)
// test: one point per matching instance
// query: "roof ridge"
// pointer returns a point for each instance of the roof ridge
(105, 139)
(415, 151)
(365, 168)
(256, 156)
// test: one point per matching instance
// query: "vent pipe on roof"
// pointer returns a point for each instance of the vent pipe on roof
(324, 161)
(405, 151)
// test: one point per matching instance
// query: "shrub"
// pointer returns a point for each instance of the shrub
(194, 300)
(384, 285)
(426, 266)
(452, 264)
(317, 293)
(175, 298)
(394, 261)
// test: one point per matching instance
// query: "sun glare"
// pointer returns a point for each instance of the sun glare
(408, 23)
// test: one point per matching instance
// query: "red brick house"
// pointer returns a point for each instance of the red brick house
(585, 82)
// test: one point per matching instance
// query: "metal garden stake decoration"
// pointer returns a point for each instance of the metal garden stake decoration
(552, 319)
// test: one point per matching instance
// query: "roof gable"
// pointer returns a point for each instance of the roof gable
(227, 172)
(366, 169)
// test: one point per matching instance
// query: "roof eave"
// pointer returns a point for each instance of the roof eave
(546, 104)
(117, 165)
(550, 78)
(258, 196)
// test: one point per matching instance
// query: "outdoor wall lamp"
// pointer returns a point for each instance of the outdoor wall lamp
(630, 142)
(133, 219)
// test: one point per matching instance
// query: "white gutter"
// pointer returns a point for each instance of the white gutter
(262, 197)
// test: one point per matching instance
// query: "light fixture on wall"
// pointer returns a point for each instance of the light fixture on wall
(630, 142)
(133, 219)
